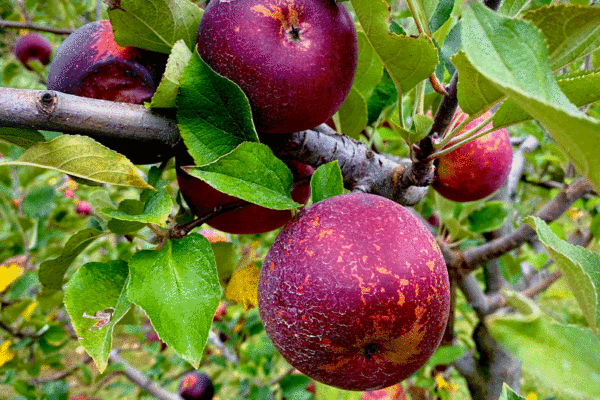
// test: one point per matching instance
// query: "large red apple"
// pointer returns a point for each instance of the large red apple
(478, 168)
(250, 218)
(294, 59)
(354, 292)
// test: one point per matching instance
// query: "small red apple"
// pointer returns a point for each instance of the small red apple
(354, 292)
(251, 218)
(294, 59)
(196, 386)
(478, 168)
(220, 312)
(84, 208)
(33, 47)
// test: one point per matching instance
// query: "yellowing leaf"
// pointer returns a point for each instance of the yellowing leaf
(242, 287)
(532, 396)
(5, 354)
(9, 272)
(29, 310)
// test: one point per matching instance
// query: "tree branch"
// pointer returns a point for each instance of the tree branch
(140, 379)
(133, 126)
(34, 27)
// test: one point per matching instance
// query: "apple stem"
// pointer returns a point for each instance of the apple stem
(460, 143)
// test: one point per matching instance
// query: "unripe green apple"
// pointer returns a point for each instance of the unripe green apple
(478, 168)
(354, 292)
(294, 59)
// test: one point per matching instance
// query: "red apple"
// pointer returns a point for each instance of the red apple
(33, 47)
(251, 218)
(294, 59)
(84, 208)
(354, 292)
(478, 168)
(196, 386)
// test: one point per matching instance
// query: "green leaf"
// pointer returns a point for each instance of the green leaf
(408, 60)
(52, 271)
(512, 7)
(369, 69)
(581, 89)
(326, 392)
(579, 266)
(156, 24)
(441, 15)
(213, 113)
(39, 202)
(489, 217)
(353, 114)
(252, 173)
(156, 210)
(475, 91)
(82, 157)
(166, 93)
(491, 43)
(384, 95)
(96, 300)
(178, 288)
(127, 208)
(557, 354)
(508, 394)
(24, 138)
(571, 31)
(326, 182)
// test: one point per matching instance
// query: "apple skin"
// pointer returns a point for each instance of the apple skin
(354, 292)
(196, 386)
(83, 208)
(294, 59)
(33, 47)
(90, 63)
(249, 219)
(477, 169)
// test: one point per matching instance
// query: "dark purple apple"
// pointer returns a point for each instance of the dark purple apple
(196, 386)
(477, 169)
(33, 47)
(251, 218)
(354, 292)
(294, 59)
(90, 63)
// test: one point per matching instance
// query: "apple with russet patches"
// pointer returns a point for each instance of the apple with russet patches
(294, 59)
(354, 292)
(476, 169)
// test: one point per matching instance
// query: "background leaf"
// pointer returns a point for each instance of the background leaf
(155, 24)
(156, 210)
(251, 173)
(178, 288)
(353, 114)
(213, 113)
(24, 138)
(107, 281)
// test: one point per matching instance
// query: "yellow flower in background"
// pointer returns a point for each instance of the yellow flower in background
(243, 286)
(29, 310)
(443, 384)
(5, 354)
(9, 273)
(532, 396)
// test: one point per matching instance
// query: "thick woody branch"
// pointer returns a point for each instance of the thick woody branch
(135, 125)
(34, 27)
(130, 125)
(465, 262)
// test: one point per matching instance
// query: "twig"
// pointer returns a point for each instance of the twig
(63, 374)
(34, 27)
(140, 379)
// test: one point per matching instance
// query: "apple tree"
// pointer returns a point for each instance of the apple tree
(405, 194)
